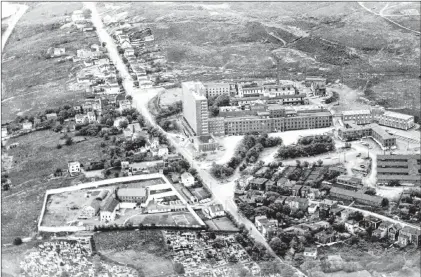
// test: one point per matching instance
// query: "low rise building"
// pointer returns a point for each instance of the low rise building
(132, 195)
(349, 182)
(214, 211)
(187, 179)
(405, 169)
(356, 196)
(74, 167)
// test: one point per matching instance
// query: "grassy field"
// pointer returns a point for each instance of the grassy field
(35, 159)
(146, 250)
(221, 224)
(31, 82)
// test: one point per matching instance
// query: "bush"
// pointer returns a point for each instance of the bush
(17, 241)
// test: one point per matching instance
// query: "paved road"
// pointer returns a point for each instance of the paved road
(383, 16)
(140, 101)
(15, 18)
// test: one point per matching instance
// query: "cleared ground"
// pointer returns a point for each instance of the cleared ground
(31, 82)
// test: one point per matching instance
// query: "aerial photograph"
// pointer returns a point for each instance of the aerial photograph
(210, 139)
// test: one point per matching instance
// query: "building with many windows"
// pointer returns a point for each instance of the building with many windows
(406, 169)
(397, 120)
(380, 136)
(358, 116)
(216, 89)
(195, 107)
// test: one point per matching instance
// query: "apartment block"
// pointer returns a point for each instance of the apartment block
(405, 169)
(358, 116)
(195, 107)
(397, 120)
(354, 132)
(216, 89)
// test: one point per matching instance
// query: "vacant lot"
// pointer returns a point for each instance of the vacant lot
(35, 159)
(174, 218)
(146, 250)
(221, 224)
(31, 81)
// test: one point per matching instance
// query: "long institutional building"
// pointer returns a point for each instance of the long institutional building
(267, 108)
(406, 169)
(365, 123)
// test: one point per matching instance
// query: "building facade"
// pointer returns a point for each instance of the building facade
(195, 107)
(216, 89)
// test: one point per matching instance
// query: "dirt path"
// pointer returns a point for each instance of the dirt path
(384, 17)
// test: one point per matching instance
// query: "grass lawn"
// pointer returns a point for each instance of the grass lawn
(35, 159)
(30, 81)
(221, 224)
(146, 250)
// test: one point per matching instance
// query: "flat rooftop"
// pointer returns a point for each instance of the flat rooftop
(356, 112)
(398, 115)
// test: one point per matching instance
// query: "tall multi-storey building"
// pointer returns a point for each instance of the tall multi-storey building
(216, 89)
(397, 120)
(195, 107)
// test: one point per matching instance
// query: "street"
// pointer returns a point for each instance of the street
(140, 101)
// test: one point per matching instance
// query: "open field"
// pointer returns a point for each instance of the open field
(35, 159)
(145, 250)
(178, 218)
(31, 82)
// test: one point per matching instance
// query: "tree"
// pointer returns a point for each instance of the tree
(123, 124)
(298, 162)
(129, 97)
(319, 162)
(370, 191)
(179, 268)
(69, 141)
(278, 246)
(17, 241)
(232, 258)
(306, 163)
(385, 202)
(394, 183)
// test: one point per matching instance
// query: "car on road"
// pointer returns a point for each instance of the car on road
(359, 155)
(362, 166)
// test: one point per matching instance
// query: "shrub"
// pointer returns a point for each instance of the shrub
(17, 241)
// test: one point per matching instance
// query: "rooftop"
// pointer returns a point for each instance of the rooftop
(131, 192)
(352, 112)
(398, 115)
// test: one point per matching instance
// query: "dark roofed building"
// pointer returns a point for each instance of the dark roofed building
(356, 196)
(136, 195)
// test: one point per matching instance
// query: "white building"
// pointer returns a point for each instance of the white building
(81, 119)
(74, 167)
(91, 117)
(27, 125)
(187, 179)
(216, 89)
(310, 252)
(4, 131)
(108, 210)
(215, 211)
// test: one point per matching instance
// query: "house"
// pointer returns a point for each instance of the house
(51, 116)
(111, 88)
(4, 131)
(56, 52)
(305, 191)
(299, 204)
(27, 125)
(108, 210)
(125, 165)
(258, 183)
(90, 210)
(124, 105)
(162, 151)
(91, 117)
(352, 226)
(345, 214)
(128, 52)
(175, 178)
(312, 208)
(215, 211)
(296, 190)
(323, 237)
(264, 225)
(77, 109)
(313, 194)
(310, 252)
(409, 235)
(147, 167)
(74, 167)
(338, 169)
(370, 222)
(84, 54)
(187, 179)
(381, 232)
(81, 119)
(126, 45)
(393, 232)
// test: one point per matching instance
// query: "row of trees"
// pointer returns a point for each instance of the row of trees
(304, 150)
(249, 150)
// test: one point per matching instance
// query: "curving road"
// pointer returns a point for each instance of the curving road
(140, 101)
(15, 18)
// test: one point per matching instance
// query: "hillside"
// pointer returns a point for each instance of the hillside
(227, 40)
